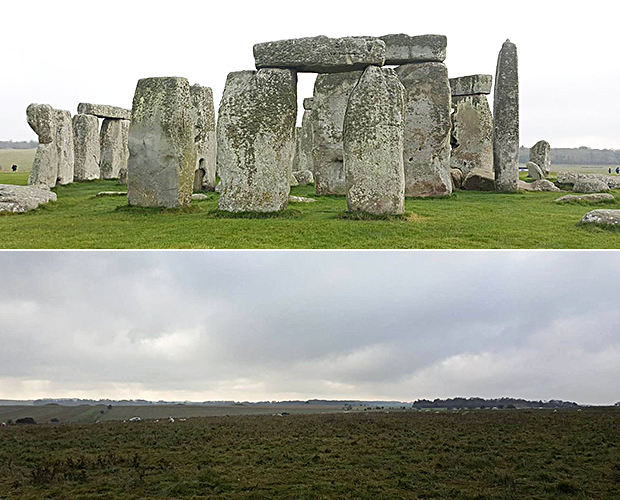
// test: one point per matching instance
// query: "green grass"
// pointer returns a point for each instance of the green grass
(465, 220)
(402, 455)
(23, 158)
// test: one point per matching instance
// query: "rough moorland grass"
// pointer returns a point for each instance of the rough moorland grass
(457, 456)
(465, 220)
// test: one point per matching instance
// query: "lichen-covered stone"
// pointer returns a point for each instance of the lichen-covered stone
(568, 178)
(331, 96)
(471, 85)
(104, 111)
(587, 198)
(18, 199)
(539, 185)
(64, 147)
(541, 155)
(457, 178)
(405, 49)
(373, 144)
(506, 117)
(534, 171)
(206, 141)
(590, 184)
(114, 148)
(256, 140)
(87, 147)
(478, 180)
(308, 103)
(303, 177)
(472, 135)
(162, 152)
(427, 129)
(602, 218)
(305, 143)
(321, 54)
(42, 119)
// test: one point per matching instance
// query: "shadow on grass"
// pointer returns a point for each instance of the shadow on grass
(128, 209)
(289, 213)
(365, 216)
(586, 203)
(594, 228)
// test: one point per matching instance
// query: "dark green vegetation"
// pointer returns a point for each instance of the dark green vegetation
(406, 455)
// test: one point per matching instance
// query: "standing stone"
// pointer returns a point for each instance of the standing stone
(162, 153)
(405, 49)
(541, 155)
(373, 144)
(297, 145)
(331, 95)
(114, 147)
(87, 147)
(256, 140)
(64, 146)
(42, 119)
(427, 129)
(534, 171)
(206, 141)
(305, 161)
(506, 116)
(124, 151)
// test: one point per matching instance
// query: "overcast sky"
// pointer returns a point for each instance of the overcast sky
(67, 51)
(298, 325)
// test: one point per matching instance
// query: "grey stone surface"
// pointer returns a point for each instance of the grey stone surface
(331, 96)
(301, 199)
(321, 54)
(506, 116)
(199, 197)
(373, 144)
(602, 218)
(256, 140)
(308, 103)
(471, 85)
(534, 171)
(64, 147)
(539, 185)
(17, 199)
(405, 49)
(541, 155)
(206, 140)
(42, 119)
(457, 178)
(587, 198)
(114, 139)
(305, 143)
(427, 129)
(472, 135)
(162, 152)
(589, 184)
(86, 146)
(479, 181)
(568, 178)
(107, 194)
(304, 177)
(104, 111)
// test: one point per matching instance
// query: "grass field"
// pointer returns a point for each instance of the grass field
(23, 158)
(404, 455)
(466, 220)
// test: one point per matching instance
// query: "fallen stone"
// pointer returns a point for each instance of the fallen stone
(471, 85)
(321, 54)
(64, 146)
(199, 197)
(301, 199)
(541, 155)
(586, 198)
(457, 178)
(588, 184)
(568, 178)
(543, 185)
(304, 177)
(206, 140)
(162, 153)
(114, 147)
(602, 218)
(404, 49)
(87, 148)
(506, 116)
(479, 181)
(535, 172)
(42, 119)
(104, 111)
(427, 129)
(472, 135)
(374, 125)
(104, 194)
(18, 199)
(256, 140)
(293, 181)
(331, 96)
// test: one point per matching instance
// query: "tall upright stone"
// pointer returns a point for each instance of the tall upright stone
(305, 133)
(162, 152)
(541, 155)
(256, 140)
(64, 147)
(87, 147)
(427, 129)
(114, 147)
(206, 141)
(373, 144)
(42, 119)
(331, 96)
(506, 118)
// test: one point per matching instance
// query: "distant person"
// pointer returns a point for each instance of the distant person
(618, 170)
(610, 170)
(14, 168)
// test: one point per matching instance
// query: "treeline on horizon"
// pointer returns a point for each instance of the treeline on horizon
(19, 145)
(578, 156)
(491, 403)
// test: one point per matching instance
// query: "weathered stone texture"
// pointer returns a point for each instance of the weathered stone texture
(457, 178)
(87, 147)
(303, 177)
(64, 147)
(256, 140)
(373, 144)
(506, 116)
(104, 111)
(539, 185)
(568, 178)
(114, 147)
(17, 199)
(305, 143)
(405, 49)
(321, 54)
(541, 155)
(331, 96)
(42, 119)
(602, 218)
(162, 152)
(472, 135)
(587, 198)
(206, 141)
(479, 181)
(308, 103)
(427, 129)
(534, 171)
(471, 85)
(590, 184)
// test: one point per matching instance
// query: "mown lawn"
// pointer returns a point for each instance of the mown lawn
(466, 220)
(23, 158)
(480, 455)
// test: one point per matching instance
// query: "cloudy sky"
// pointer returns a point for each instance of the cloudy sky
(297, 325)
(68, 51)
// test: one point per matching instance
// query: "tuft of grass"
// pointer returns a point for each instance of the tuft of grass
(373, 217)
(288, 213)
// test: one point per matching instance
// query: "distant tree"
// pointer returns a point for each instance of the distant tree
(54, 421)
(25, 421)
